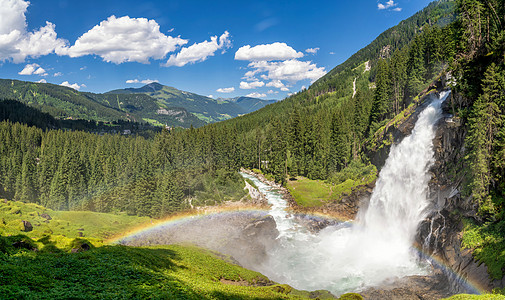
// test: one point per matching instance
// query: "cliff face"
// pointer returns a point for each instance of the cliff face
(441, 233)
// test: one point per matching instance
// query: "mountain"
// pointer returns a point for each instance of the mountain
(59, 101)
(148, 109)
(205, 108)
(63, 102)
(249, 104)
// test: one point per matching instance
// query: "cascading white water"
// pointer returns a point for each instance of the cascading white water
(378, 246)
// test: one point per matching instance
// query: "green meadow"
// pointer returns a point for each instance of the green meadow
(67, 257)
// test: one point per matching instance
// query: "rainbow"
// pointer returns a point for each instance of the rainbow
(189, 216)
(437, 262)
(181, 218)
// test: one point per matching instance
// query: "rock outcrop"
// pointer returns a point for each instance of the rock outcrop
(441, 233)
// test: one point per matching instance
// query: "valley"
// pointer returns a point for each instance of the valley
(384, 179)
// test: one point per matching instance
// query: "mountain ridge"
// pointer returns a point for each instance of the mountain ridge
(205, 108)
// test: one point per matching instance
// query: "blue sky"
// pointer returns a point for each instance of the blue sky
(225, 49)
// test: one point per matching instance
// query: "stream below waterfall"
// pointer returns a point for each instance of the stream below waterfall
(378, 246)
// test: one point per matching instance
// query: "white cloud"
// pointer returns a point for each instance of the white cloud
(210, 96)
(272, 92)
(75, 86)
(16, 43)
(57, 74)
(251, 85)
(145, 81)
(33, 69)
(389, 4)
(249, 75)
(42, 81)
(83, 68)
(284, 89)
(275, 51)
(276, 84)
(332, 53)
(125, 39)
(256, 95)
(290, 70)
(200, 52)
(312, 50)
(225, 90)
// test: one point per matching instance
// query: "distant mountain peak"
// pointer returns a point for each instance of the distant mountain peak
(155, 86)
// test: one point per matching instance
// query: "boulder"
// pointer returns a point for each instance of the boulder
(27, 226)
(46, 216)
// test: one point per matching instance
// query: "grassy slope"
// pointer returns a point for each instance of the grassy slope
(64, 225)
(488, 245)
(114, 272)
(146, 107)
(315, 193)
(205, 108)
(119, 272)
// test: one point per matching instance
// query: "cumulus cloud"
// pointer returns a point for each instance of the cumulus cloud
(312, 50)
(57, 74)
(125, 39)
(16, 43)
(201, 51)
(251, 85)
(290, 70)
(256, 95)
(42, 81)
(145, 81)
(225, 90)
(272, 92)
(33, 69)
(75, 86)
(284, 89)
(389, 4)
(267, 52)
(276, 84)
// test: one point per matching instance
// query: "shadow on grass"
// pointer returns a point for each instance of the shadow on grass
(110, 272)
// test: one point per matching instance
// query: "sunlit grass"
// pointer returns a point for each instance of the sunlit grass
(63, 225)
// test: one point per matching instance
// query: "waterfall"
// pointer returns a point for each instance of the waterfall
(378, 246)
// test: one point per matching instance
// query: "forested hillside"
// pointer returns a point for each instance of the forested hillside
(206, 109)
(148, 109)
(66, 103)
(317, 133)
(320, 133)
(58, 101)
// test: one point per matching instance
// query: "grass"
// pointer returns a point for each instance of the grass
(203, 117)
(315, 193)
(488, 244)
(64, 225)
(153, 122)
(38, 269)
(309, 193)
(119, 272)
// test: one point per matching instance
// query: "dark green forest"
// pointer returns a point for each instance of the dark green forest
(316, 133)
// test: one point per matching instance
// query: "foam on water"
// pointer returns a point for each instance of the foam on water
(378, 246)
